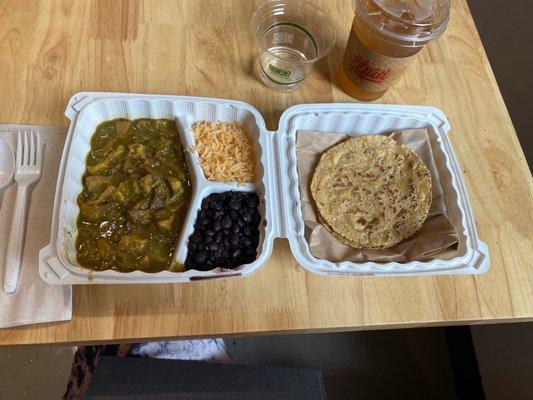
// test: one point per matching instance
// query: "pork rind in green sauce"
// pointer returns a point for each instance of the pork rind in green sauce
(136, 191)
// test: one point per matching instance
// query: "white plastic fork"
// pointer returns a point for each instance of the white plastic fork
(29, 160)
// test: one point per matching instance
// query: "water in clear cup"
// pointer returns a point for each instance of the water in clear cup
(291, 37)
(283, 67)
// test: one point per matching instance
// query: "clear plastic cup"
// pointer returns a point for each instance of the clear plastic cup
(291, 36)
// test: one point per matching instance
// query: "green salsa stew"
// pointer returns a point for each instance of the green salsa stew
(136, 191)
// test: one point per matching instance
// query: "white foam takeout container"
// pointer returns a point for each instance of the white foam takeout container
(276, 184)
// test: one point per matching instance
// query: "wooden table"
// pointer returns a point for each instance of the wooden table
(53, 49)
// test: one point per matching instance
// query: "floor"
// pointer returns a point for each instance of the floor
(508, 41)
(505, 358)
(34, 372)
(387, 364)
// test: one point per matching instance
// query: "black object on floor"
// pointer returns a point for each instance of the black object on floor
(466, 376)
(411, 364)
(154, 379)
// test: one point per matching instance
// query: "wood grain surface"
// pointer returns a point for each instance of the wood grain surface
(52, 49)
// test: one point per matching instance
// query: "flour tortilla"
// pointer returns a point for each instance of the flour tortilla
(371, 192)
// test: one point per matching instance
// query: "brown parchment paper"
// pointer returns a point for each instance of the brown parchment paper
(436, 237)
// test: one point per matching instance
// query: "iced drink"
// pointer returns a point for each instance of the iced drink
(385, 36)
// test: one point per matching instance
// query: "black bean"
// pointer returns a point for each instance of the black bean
(246, 242)
(246, 230)
(252, 201)
(236, 253)
(235, 205)
(216, 226)
(226, 222)
(209, 232)
(202, 267)
(218, 237)
(215, 205)
(235, 228)
(248, 259)
(234, 243)
(227, 241)
(223, 255)
(213, 246)
(249, 252)
(195, 238)
(203, 222)
(233, 214)
(200, 257)
(247, 216)
(256, 218)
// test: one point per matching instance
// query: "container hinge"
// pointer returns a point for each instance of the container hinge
(279, 183)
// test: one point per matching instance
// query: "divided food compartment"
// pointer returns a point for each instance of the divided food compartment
(276, 182)
(185, 115)
(58, 260)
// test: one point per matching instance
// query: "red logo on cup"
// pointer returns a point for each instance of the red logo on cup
(362, 68)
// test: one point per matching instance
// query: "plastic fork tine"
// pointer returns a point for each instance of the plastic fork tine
(39, 150)
(19, 149)
(26, 160)
(33, 148)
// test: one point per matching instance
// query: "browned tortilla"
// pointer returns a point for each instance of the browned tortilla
(371, 192)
